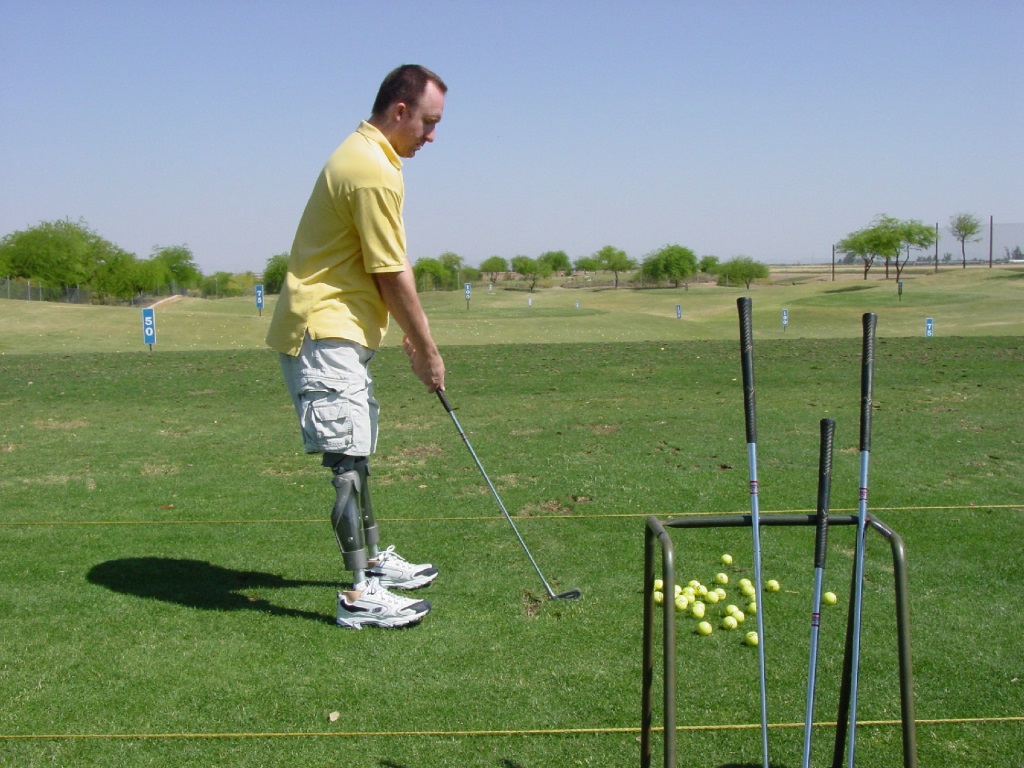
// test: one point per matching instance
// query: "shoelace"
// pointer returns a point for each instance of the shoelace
(390, 554)
(373, 587)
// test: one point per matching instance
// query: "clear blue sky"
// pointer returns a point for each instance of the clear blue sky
(768, 129)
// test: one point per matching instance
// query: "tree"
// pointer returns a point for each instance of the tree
(274, 273)
(881, 239)
(557, 260)
(674, 263)
(742, 269)
(708, 265)
(221, 284)
(430, 274)
(965, 228)
(178, 259)
(116, 275)
(150, 275)
(615, 261)
(452, 264)
(492, 266)
(531, 269)
(588, 264)
(58, 254)
(914, 235)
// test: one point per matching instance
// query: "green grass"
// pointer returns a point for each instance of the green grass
(168, 567)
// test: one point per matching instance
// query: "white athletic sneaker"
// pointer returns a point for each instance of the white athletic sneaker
(395, 572)
(370, 604)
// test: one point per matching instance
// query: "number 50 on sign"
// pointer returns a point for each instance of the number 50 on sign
(149, 327)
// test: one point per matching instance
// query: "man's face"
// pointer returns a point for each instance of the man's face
(414, 126)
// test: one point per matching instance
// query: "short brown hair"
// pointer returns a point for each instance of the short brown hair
(405, 84)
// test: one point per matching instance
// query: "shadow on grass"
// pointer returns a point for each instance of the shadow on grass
(198, 584)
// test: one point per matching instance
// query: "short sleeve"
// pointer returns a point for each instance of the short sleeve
(377, 216)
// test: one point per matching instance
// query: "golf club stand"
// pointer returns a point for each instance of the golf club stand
(657, 532)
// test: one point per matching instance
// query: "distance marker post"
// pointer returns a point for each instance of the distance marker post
(149, 327)
(259, 299)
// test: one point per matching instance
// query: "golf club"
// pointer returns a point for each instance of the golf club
(867, 374)
(572, 594)
(828, 427)
(750, 413)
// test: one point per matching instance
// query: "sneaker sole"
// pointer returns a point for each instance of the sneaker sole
(390, 622)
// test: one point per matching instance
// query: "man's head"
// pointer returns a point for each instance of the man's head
(408, 107)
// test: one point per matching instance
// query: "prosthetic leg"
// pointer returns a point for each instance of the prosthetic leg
(368, 603)
(352, 515)
(356, 529)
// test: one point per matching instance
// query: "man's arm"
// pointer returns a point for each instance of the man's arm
(398, 291)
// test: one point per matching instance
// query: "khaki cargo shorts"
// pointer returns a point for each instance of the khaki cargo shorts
(332, 390)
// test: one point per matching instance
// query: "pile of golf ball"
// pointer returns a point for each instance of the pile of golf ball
(709, 605)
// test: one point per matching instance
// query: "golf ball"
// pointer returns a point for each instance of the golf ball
(829, 598)
(729, 622)
(726, 559)
(772, 585)
(704, 628)
(751, 638)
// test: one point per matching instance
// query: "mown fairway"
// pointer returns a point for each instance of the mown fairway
(168, 570)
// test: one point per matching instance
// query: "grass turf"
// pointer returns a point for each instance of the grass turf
(169, 572)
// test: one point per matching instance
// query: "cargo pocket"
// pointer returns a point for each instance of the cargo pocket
(327, 422)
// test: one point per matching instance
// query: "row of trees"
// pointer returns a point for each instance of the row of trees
(671, 264)
(893, 240)
(68, 256)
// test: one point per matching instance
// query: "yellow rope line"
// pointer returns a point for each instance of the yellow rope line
(597, 516)
(448, 734)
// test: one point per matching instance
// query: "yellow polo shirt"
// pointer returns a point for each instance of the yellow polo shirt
(352, 227)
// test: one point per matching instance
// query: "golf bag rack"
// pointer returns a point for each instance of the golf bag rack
(656, 531)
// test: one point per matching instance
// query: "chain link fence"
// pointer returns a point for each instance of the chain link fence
(33, 290)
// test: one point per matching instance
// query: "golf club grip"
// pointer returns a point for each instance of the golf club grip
(747, 362)
(828, 430)
(444, 400)
(867, 375)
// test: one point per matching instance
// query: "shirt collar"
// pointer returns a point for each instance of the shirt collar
(373, 134)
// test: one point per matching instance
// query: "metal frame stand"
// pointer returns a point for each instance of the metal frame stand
(655, 532)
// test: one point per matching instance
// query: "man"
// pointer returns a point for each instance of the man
(347, 273)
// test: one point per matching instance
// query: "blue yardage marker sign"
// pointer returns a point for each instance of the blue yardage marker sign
(785, 319)
(149, 327)
(259, 299)
(929, 327)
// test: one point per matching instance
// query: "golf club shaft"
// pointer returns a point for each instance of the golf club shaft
(571, 594)
(867, 374)
(750, 415)
(828, 427)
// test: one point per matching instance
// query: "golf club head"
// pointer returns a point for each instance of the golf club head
(572, 594)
